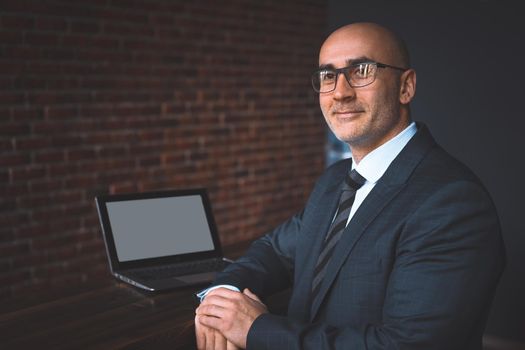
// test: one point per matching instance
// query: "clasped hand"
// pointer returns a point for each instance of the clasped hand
(224, 318)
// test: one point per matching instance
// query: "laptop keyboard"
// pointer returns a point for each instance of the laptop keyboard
(182, 269)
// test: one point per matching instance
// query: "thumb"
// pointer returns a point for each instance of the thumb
(249, 293)
(231, 346)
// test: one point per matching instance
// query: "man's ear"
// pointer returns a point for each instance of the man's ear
(408, 86)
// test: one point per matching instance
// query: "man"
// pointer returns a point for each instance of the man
(409, 260)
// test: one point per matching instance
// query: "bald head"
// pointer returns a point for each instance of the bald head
(366, 116)
(381, 43)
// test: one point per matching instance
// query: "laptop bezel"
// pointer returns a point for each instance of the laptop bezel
(116, 265)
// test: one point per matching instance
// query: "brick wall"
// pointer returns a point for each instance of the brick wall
(117, 96)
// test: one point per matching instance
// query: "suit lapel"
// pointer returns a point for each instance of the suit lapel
(385, 190)
(309, 245)
(374, 203)
(319, 225)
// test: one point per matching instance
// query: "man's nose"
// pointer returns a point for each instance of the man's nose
(343, 89)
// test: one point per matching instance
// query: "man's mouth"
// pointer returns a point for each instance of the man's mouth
(347, 113)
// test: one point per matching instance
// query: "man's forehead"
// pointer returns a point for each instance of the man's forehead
(347, 62)
(346, 52)
(348, 46)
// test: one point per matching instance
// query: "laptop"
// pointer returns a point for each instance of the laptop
(161, 240)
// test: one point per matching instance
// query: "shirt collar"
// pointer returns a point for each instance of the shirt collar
(375, 163)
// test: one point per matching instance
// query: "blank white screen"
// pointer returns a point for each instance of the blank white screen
(158, 227)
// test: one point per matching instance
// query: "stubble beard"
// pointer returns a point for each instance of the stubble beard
(368, 128)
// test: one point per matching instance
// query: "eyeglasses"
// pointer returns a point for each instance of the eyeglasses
(357, 75)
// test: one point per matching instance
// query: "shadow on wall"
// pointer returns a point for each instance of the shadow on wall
(335, 149)
(495, 343)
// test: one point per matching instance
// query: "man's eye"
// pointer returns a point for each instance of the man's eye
(327, 76)
(362, 71)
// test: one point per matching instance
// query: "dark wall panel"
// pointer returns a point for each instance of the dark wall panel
(470, 91)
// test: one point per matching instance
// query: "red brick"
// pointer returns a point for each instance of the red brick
(102, 167)
(21, 52)
(76, 68)
(6, 83)
(88, 41)
(16, 22)
(59, 82)
(149, 161)
(80, 154)
(57, 54)
(81, 182)
(29, 83)
(91, 247)
(53, 243)
(50, 24)
(11, 37)
(41, 39)
(90, 27)
(14, 159)
(123, 187)
(66, 97)
(155, 95)
(49, 270)
(13, 189)
(113, 151)
(7, 205)
(62, 170)
(49, 157)
(14, 248)
(61, 140)
(28, 173)
(13, 277)
(26, 261)
(128, 29)
(46, 185)
(26, 114)
(121, 14)
(6, 145)
(11, 98)
(96, 110)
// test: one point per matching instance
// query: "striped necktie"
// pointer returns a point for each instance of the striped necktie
(353, 182)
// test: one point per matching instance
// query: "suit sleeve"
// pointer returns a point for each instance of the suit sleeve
(449, 257)
(267, 267)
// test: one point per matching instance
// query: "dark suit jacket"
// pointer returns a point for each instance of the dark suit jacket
(416, 268)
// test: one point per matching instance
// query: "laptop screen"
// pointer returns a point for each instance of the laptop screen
(159, 227)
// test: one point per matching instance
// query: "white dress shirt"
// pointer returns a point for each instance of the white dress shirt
(375, 163)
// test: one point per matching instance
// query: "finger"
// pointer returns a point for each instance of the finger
(200, 335)
(218, 300)
(249, 293)
(220, 341)
(210, 321)
(231, 346)
(210, 339)
(211, 310)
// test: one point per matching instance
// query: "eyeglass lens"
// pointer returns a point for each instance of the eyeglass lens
(358, 75)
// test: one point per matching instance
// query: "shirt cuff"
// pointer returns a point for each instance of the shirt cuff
(202, 294)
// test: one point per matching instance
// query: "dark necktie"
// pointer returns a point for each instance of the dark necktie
(352, 183)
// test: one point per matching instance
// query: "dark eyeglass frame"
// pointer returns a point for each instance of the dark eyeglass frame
(345, 72)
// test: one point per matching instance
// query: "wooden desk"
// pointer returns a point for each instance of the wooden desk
(107, 317)
(107, 314)
(103, 314)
